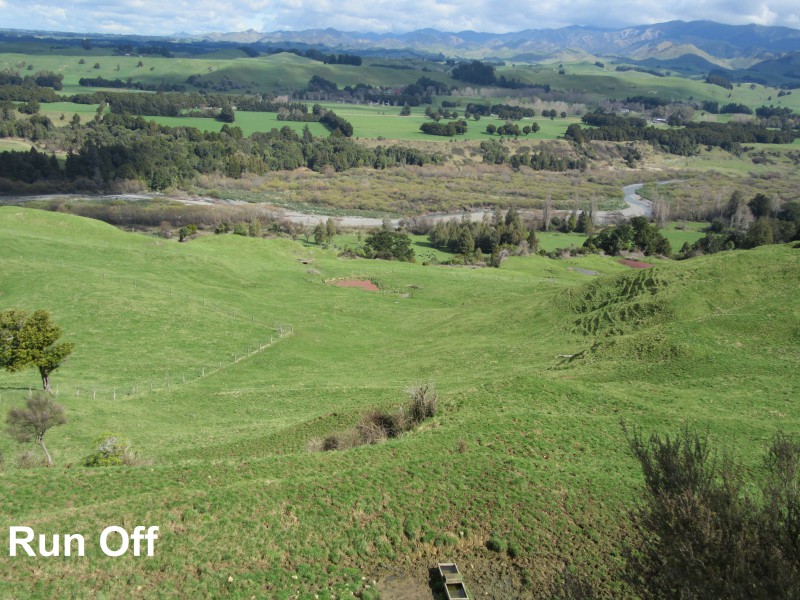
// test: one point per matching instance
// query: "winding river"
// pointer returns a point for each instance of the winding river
(637, 206)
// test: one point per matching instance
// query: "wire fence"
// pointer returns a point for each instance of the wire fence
(63, 391)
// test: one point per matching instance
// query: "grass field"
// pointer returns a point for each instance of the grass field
(608, 83)
(278, 73)
(17, 145)
(526, 449)
(375, 122)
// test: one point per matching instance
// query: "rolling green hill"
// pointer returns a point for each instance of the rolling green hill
(522, 470)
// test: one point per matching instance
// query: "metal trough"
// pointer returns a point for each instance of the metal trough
(453, 582)
(456, 591)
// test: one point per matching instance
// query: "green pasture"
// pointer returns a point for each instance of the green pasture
(177, 346)
(385, 122)
(608, 83)
(277, 73)
(285, 73)
(423, 249)
(682, 232)
(54, 110)
(676, 233)
(249, 122)
(16, 145)
(374, 122)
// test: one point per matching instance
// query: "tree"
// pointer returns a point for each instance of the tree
(758, 234)
(760, 206)
(389, 245)
(466, 243)
(737, 210)
(226, 113)
(584, 223)
(330, 228)
(255, 228)
(32, 422)
(406, 110)
(30, 340)
(320, 234)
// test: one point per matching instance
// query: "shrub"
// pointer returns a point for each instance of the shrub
(370, 432)
(392, 424)
(28, 459)
(110, 449)
(341, 440)
(314, 445)
(423, 403)
(377, 426)
(704, 535)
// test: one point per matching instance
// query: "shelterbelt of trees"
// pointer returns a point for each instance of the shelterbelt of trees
(126, 147)
(683, 141)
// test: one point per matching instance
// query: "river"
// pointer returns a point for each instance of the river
(637, 206)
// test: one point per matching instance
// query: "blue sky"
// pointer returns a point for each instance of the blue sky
(160, 17)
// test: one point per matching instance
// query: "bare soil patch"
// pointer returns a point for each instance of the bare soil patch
(399, 586)
(634, 264)
(584, 271)
(364, 284)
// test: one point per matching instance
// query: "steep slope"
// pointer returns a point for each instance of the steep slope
(523, 469)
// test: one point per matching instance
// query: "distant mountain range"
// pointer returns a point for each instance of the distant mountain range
(725, 45)
(754, 53)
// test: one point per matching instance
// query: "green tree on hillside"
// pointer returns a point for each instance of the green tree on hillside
(29, 340)
(320, 234)
(389, 245)
(330, 228)
(760, 206)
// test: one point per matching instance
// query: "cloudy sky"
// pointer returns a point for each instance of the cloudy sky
(158, 17)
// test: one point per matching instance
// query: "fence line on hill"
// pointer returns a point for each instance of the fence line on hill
(59, 390)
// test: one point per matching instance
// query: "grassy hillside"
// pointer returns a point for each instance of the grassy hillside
(276, 73)
(522, 470)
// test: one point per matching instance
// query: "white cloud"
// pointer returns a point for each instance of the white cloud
(380, 16)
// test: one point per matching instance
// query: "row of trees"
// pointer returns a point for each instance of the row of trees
(124, 147)
(683, 141)
(748, 224)
(46, 79)
(481, 73)
(496, 153)
(488, 237)
(512, 129)
(638, 234)
(445, 129)
(507, 112)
